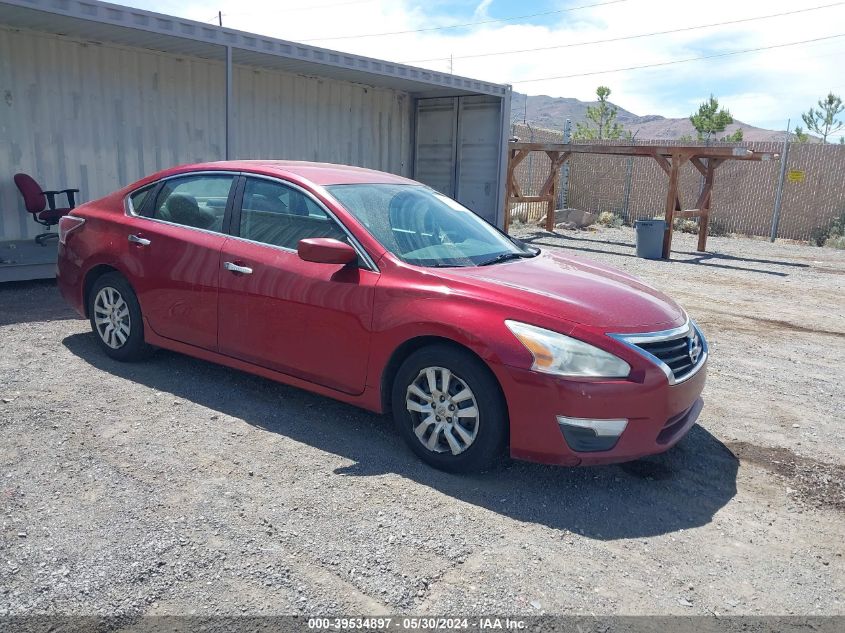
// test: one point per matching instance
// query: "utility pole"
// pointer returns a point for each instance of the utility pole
(220, 18)
(779, 195)
(450, 64)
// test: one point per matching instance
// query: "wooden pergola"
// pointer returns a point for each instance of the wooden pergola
(705, 159)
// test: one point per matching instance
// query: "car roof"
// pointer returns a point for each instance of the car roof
(317, 173)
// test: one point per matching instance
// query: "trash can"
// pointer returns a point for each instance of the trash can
(650, 238)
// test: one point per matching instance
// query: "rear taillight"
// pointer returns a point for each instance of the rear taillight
(67, 225)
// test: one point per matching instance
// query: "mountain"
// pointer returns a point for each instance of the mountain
(551, 113)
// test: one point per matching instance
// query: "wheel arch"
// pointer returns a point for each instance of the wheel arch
(411, 345)
(91, 278)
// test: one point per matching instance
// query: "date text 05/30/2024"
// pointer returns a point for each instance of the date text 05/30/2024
(411, 623)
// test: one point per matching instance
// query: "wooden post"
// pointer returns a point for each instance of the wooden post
(509, 189)
(512, 190)
(550, 187)
(671, 203)
(704, 204)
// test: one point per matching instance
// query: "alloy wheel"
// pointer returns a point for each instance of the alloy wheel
(443, 409)
(111, 317)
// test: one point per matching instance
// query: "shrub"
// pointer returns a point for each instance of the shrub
(819, 235)
(610, 219)
(686, 225)
(830, 235)
(835, 242)
(716, 229)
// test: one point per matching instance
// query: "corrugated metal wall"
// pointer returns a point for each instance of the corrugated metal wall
(96, 117)
(279, 115)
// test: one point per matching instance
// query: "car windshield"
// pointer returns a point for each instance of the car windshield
(425, 228)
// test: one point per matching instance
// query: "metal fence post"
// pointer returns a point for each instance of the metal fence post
(629, 175)
(779, 195)
(564, 172)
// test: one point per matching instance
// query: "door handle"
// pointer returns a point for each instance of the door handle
(140, 241)
(233, 267)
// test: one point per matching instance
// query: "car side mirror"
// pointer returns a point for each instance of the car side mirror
(326, 250)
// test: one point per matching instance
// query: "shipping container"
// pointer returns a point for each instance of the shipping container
(96, 95)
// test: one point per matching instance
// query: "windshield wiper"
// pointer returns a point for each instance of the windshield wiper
(503, 257)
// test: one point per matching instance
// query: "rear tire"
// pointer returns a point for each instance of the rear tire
(448, 407)
(115, 316)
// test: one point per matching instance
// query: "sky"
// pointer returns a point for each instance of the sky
(763, 88)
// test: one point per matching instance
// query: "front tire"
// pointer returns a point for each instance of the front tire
(448, 407)
(115, 316)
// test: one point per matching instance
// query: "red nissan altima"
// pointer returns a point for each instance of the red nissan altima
(381, 292)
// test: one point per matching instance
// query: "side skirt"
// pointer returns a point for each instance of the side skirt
(369, 399)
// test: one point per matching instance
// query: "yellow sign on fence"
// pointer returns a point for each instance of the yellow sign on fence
(796, 175)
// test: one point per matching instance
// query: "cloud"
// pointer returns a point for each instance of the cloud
(762, 88)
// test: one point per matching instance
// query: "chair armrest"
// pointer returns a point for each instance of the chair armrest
(70, 193)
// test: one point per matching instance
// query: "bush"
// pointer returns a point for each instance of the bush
(832, 236)
(686, 225)
(610, 219)
(835, 242)
(716, 229)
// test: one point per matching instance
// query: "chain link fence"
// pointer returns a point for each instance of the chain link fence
(743, 198)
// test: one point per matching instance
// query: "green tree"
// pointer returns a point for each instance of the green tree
(736, 137)
(601, 120)
(823, 121)
(800, 135)
(710, 119)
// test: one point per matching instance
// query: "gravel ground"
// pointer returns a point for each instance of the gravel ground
(175, 486)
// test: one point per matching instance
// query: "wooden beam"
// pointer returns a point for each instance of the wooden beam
(664, 163)
(688, 213)
(696, 161)
(554, 171)
(733, 153)
(518, 155)
(531, 198)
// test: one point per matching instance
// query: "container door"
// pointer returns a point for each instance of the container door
(458, 150)
(479, 135)
(436, 133)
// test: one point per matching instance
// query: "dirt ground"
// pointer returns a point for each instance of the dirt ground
(174, 486)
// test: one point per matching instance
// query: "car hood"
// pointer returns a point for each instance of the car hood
(577, 291)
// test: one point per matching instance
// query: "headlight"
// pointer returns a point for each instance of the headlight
(565, 356)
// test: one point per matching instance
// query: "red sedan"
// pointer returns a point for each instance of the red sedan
(379, 291)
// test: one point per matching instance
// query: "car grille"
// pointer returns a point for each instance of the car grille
(679, 352)
(674, 352)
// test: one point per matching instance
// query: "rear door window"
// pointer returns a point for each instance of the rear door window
(196, 201)
(137, 199)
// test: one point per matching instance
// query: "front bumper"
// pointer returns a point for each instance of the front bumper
(658, 414)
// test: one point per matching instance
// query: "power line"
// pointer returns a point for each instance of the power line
(679, 61)
(460, 26)
(628, 37)
(328, 6)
